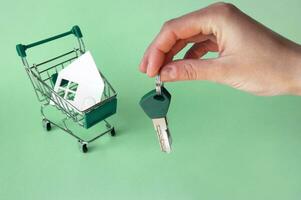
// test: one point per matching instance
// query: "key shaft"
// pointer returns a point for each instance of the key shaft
(164, 138)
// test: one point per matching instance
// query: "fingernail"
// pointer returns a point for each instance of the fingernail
(150, 70)
(168, 73)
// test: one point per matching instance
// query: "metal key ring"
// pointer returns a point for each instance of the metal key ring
(159, 84)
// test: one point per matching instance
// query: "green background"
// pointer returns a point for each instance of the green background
(227, 144)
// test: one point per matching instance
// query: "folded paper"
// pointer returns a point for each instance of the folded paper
(80, 83)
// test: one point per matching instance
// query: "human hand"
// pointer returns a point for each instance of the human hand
(251, 57)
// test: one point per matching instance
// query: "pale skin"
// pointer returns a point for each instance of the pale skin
(251, 57)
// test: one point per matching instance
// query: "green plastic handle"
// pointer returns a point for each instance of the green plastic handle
(154, 105)
(21, 49)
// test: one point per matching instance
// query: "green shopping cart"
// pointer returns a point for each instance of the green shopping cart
(43, 78)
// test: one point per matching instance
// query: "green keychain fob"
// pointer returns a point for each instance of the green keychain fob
(156, 105)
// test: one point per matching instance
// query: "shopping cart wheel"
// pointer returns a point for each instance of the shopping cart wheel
(113, 133)
(46, 125)
(83, 146)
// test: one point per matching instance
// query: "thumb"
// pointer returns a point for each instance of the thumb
(194, 69)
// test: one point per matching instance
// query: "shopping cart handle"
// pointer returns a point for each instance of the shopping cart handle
(21, 49)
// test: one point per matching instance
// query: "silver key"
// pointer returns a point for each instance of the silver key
(155, 104)
(160, 124)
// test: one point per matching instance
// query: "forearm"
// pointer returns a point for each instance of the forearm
(294, 62)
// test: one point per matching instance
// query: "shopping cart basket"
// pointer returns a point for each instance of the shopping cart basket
(43, 77)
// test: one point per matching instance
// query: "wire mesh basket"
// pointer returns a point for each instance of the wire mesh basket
(43, 77)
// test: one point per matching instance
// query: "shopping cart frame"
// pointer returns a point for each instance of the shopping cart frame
(43, 77)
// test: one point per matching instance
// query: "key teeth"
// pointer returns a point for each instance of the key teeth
(167, 148)
(163, 134)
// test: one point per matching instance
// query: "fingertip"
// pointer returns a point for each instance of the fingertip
(152, 70)
(155, 61)
(142, 68)
(143, 65)
(151, 73)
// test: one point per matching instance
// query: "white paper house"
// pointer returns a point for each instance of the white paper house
(80, 83)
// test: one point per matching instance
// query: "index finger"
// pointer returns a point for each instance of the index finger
(180, 28)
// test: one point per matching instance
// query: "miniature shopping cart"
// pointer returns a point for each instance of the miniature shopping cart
(43, 78)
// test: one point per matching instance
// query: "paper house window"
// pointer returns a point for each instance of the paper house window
(80, 83)
(67, 89)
